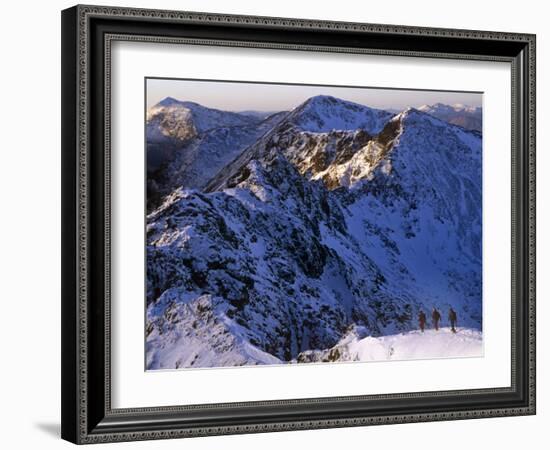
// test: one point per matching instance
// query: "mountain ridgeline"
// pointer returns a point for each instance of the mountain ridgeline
(269, 238)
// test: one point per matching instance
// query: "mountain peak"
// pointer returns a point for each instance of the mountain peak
(325, 113)
(334, 102)
(174, 122)
(169, 101)
(174, 102)
(320, 99)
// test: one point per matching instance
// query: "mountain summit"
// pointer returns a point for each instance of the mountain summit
(324, 113)
(187, 143)
(171, 118)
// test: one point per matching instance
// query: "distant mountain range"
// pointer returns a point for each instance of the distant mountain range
(465, 116)
(271, 239)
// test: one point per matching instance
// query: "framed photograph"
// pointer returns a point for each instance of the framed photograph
(280, 224)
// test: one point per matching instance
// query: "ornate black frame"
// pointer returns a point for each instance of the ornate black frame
(87, 32)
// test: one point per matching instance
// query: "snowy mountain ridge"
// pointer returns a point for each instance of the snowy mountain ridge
(312, 230)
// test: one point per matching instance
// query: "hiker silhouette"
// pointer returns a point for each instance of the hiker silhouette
(453, 319)
(422, 320)
(436, 317)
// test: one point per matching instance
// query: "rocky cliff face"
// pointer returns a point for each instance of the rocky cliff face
(337, 216)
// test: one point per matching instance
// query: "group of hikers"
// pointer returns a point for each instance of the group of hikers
(436, 317)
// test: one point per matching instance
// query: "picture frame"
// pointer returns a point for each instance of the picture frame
(88, 415)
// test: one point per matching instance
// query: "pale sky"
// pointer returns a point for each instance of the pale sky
(242, 96)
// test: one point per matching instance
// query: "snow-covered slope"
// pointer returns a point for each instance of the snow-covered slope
(469, 117)
(358, 346)
(309, 233)
(257, 253)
